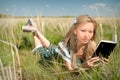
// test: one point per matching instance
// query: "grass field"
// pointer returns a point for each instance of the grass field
(18, 62)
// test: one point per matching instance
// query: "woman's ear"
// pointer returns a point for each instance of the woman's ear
(74, 31)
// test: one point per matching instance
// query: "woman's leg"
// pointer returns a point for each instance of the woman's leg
(41, 43)
(40, 39)
(36, 41)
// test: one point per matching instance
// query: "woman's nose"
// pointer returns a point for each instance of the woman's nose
(87, 34)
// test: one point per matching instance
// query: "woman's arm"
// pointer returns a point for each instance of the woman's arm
(92, 62)
(68, 65)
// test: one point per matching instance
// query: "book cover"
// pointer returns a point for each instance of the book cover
(104, 48)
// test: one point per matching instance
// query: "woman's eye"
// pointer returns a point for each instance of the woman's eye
(90, 31)
(83, 30)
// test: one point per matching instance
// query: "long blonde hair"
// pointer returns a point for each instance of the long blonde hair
(69, 38)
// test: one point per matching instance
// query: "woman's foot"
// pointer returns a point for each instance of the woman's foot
(30, 26)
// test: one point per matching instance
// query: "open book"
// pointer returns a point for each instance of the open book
(104, 48)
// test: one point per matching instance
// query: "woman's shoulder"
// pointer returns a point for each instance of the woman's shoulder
(63, 51)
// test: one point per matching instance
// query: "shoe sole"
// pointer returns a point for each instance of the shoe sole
(26, 29)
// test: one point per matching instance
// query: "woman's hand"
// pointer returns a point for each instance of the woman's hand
(92, 62)
(105, 60)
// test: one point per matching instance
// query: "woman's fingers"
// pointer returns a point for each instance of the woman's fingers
(94, 59)
(105, 60)
(96, 65)
(94, 62)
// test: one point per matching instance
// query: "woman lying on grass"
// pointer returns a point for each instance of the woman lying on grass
(77, 46)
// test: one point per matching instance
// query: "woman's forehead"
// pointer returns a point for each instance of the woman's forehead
(86, 25)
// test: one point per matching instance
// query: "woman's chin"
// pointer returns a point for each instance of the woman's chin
(85, 42)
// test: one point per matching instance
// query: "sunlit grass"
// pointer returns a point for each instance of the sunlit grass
(54, 29)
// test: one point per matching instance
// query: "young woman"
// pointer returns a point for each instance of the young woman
(77, 46)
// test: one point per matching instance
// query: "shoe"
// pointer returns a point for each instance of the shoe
(30, 26)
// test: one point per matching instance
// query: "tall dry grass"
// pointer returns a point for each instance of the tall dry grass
(17, 60)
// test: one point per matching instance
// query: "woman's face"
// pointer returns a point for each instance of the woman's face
(84, 33)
